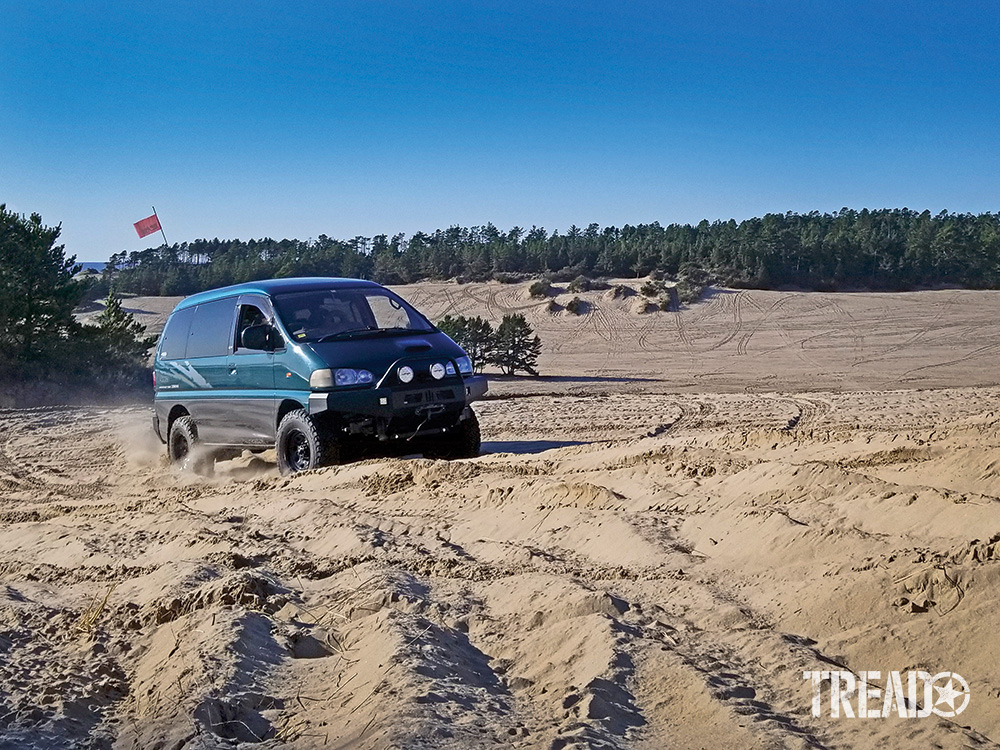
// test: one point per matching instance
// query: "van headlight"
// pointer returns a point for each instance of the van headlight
(328, 378)
(348, 376)
(464, 365)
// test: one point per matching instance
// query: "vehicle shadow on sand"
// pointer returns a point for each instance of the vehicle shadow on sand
(527, 447)
(493, 378)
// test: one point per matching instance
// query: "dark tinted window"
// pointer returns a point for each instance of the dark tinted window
(173, 344)
(212, 329)
(250, 315)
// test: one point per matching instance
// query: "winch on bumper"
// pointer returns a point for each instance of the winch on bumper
(400, 411)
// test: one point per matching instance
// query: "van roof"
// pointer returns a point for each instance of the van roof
(273, 286)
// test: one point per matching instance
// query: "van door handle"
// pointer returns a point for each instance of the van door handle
(232, 370)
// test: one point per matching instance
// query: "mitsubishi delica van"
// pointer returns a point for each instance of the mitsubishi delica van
(314, 368)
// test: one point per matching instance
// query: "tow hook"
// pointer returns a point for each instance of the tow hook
(428, 411)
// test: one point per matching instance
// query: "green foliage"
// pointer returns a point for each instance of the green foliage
(848, 249)
(40, 340)
(540, 289)
(694, 274)
(96, 284)
(692, 280)
(583, 284)
(652, 288)
(177, 282)
(567, 273)
(688, 293)
(576, 306)
(119, 344)
(37, 296)
(512, 347)
(517, 346)
(475, 335)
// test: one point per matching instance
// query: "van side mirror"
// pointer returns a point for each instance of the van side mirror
(257, 337)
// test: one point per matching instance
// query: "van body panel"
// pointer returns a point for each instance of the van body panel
(295, 366)
(252, 411)
(208, 349)
(379, 355)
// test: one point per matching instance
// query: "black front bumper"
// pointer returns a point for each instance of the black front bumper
(396, 402)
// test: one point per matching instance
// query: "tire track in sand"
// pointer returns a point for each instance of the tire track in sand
(692, 416)
(810, 412)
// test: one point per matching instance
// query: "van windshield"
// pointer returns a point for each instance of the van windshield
(332, 314)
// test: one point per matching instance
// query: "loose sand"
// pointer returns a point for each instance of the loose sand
(663, 534)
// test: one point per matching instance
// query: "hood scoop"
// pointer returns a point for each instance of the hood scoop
(415, 348)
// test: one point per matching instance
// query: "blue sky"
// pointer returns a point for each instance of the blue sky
(296, 119)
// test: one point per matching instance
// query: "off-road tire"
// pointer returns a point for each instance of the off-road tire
(302, 444)
(183, 447)
(462, 441)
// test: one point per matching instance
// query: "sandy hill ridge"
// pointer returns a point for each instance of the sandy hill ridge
(731, 340)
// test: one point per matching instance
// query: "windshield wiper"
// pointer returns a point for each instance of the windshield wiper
(344, 334)
(395, 331)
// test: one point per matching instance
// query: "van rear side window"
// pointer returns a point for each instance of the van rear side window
(212, 329)
(173, 344)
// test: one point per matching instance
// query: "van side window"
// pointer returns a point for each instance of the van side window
(250, 315)
(173, 343)
(212, 329)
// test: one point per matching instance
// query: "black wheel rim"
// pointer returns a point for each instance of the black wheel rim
(179, 448)
(297, 452)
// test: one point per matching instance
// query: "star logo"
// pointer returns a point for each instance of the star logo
(952, 697)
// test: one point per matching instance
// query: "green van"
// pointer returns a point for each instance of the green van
(314, 367)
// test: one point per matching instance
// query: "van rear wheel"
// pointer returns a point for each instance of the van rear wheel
(184, 450)
(302, 444)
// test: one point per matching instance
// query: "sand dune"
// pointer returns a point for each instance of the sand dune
(658, 541)
(732, 340)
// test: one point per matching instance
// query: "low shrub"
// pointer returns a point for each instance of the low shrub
(540, 289)
(652, 288)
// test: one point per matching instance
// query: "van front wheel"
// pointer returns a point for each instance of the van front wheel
(463, 441)
(301, 444)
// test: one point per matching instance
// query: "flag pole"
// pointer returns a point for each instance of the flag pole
(161, 228)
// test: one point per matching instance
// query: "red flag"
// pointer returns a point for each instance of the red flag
(147, 226)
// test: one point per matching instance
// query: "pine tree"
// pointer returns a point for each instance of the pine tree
(121, 343)
(37, 295)
(475, 335)
(517, 346)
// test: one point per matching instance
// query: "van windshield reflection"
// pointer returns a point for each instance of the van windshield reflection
(336, 314)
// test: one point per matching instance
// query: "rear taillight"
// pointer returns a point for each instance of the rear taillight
(154, 378)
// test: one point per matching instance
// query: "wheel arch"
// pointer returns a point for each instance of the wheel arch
(175, 413)
(286, 406)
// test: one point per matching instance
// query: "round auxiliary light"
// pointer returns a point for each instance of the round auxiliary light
(437, 371)
(405, 374)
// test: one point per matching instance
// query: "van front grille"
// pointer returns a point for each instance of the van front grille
(431, 396)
